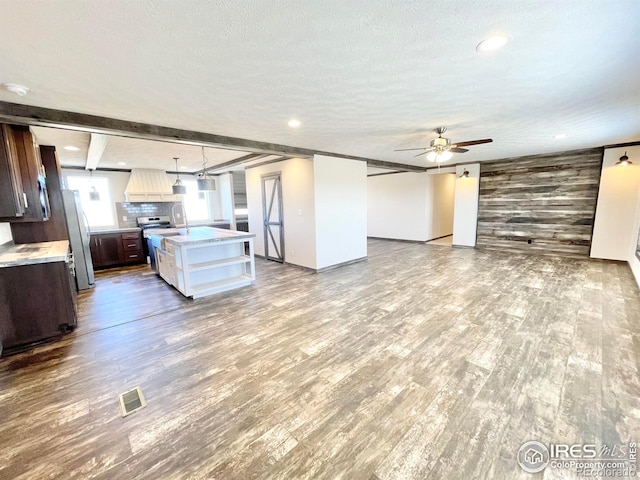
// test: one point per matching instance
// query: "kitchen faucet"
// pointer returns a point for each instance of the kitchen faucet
(184, 213)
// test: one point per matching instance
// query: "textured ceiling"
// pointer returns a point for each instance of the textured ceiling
(364, 78)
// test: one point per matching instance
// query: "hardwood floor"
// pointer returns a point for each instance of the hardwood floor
(422, 362)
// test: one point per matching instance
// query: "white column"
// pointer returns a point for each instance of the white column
(340, 189)
(465, 210)
(614, 230)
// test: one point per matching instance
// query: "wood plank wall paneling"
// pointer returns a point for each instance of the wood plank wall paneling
(548, 199)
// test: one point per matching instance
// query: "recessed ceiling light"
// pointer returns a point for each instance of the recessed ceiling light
(492, 43)
(293, 123)
(122, 163)
(20, 90)
(560, 135)
(71, 148)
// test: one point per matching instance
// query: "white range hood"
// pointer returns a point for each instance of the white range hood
(149, 185)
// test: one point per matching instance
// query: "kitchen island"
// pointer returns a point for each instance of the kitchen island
(201, 261)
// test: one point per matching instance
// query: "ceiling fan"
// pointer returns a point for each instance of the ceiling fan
(441, 148)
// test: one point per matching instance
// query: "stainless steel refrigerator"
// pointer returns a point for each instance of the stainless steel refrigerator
(80, 238)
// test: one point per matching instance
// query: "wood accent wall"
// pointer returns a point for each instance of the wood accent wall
(548, 199)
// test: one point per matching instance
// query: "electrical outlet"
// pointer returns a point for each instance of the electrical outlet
(293, 252)
(124, 218)
(299, 212)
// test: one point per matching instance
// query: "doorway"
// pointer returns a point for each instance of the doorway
(272, 215)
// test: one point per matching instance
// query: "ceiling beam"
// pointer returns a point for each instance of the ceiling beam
(619, 145)
(394, 166)
(236, 161)
(47, 117)
(385, 173)
(97, 144)
(267, 162)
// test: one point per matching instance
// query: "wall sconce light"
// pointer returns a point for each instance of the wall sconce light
(624, 160)
(464, 174)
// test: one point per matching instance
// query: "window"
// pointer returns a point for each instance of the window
(196, 203)
(99, 211)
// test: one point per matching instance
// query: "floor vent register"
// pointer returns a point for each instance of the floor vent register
(131, 401)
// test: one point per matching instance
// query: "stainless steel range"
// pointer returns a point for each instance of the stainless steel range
(148, 223)
(145, 223)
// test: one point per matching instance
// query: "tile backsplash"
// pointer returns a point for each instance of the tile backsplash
(131, 210)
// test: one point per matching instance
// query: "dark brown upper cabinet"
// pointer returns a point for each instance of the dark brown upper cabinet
(25, 199)
(12, 201)
(56, 227)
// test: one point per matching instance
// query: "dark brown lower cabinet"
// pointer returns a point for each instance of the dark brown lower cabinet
(112, 249)
(37, 303)
(106, 249)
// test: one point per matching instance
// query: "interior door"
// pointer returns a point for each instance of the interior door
(272, 215)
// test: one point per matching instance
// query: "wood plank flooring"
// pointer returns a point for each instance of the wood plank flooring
(424, 362)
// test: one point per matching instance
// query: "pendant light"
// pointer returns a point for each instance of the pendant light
(94, 195)
(178, 188)
(205, 182)
(624, 160)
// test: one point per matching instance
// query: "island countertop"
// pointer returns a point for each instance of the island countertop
(31, 253)
(197, 235)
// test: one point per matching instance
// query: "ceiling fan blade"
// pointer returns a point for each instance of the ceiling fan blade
(427, 150)
(406, 149)
(474, 142)
(458, 150)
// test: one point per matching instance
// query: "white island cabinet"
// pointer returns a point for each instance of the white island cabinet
(202, 261)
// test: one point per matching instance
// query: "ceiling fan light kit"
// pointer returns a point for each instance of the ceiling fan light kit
(442, 156)
(441, 149)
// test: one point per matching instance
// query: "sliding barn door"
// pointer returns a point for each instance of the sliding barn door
(272, 214)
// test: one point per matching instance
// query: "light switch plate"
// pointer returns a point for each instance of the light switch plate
(124, 218)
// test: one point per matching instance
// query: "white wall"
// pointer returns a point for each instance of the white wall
(5, 233)
(397, 206)
(440, 204)
(298, 209)
(614, 230)
(340, 191)
(634, 262)
(465, 216)
(411, 206)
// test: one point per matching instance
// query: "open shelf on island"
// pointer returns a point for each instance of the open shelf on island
(194, 267)
(220, 284)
